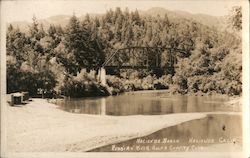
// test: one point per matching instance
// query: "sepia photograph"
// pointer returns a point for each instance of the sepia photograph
(124, 78)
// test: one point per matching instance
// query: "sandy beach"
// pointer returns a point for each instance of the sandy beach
(40, 126)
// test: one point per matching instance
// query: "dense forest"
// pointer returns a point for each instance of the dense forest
(66, 59)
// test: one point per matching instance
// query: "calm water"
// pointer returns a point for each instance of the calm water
(213, 130)
(155, 103)
(188, 136)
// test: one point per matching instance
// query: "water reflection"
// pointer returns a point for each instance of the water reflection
(212, 130)
(103, 106)
(146, 104)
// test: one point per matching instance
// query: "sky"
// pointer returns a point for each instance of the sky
(23, 10)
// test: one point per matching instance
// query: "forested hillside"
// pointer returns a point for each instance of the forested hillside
(65, 59)
(211, 21)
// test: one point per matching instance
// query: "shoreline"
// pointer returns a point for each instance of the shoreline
(42, 126)
(166, 91)
(170, 92)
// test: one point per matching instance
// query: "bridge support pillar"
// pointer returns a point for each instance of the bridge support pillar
(102, 76)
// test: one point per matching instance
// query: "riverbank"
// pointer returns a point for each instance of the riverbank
(40, 126)
(170, 92)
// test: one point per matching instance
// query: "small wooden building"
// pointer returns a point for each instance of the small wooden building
(16, 98)
(19, 98)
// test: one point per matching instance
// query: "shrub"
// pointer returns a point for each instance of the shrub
(148, 82)
(83, 85)
(115, 84)
(25, 80)
(181, 82)
(76, 89)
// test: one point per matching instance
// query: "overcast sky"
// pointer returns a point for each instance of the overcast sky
(23, 10)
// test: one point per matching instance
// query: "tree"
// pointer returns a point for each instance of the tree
(210, 61)
(83, 44)
(166, 21)
(16, 44)
(235, 19)
(136, 17)
(149, 34)
(34, 29)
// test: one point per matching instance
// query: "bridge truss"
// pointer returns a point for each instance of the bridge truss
(142, 58)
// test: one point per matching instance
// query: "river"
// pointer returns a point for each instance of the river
(195, 135)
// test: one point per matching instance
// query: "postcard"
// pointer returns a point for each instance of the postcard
(124, 78)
